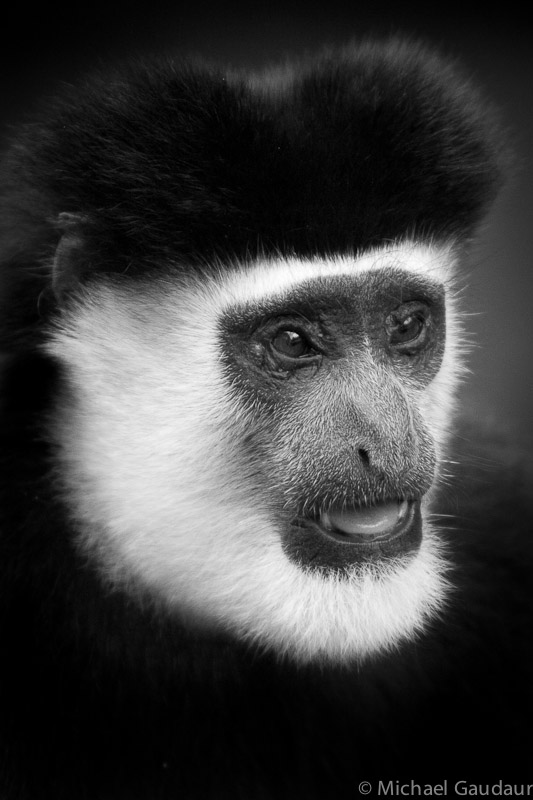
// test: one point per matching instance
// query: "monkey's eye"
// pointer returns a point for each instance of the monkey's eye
(292, 345)
(407, 326)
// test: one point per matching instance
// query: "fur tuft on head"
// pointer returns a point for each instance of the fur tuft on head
(353, 149)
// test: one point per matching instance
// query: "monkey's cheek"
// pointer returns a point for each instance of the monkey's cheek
(340, 541)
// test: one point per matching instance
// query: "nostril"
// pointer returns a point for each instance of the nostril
(363, 455)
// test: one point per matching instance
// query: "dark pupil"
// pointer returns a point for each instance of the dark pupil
(290, 344)
(404, 330)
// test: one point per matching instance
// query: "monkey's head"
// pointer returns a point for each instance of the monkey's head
(256, 328)
(258, 448)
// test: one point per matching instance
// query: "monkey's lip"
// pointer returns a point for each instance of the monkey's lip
(368, 524)
(343, 537)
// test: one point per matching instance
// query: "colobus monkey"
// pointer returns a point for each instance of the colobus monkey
(247, 551)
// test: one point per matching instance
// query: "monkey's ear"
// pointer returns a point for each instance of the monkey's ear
(71, 254)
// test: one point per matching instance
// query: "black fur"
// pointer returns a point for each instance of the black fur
(103, 698)
(177, 162)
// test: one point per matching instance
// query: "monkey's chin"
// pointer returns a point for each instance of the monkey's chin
(342, 538)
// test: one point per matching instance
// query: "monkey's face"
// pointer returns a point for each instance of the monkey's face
(258, 449)
(332, 373)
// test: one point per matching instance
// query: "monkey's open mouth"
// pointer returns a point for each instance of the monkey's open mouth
(343, 537)
(367, 524)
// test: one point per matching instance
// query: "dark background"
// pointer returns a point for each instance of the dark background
(43, 45)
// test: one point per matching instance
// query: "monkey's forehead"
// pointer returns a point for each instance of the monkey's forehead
(259, 280)
(269, 283)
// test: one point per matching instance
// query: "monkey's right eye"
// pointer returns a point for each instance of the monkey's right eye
(293, 345)
(407, 326)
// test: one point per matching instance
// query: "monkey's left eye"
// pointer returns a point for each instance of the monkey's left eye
(292, 345)
(407, 326)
